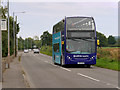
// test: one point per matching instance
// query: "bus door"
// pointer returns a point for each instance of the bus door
(57, 47)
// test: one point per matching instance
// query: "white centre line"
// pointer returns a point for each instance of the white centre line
(88, 77)
(46, 61)
(66, 69)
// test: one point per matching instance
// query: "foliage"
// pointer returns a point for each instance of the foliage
(108, 58)
(28, 43)
(46, 38)
(111, 40)
(46, 50)
(36, 38)
(3, 10)
(5, 35)
(102, 38)
(105, 63)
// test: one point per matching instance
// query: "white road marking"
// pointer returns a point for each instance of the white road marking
(66, 69)
(46, 61)
(54, 65)
(108, 83)
(118, 87)
(88, 77)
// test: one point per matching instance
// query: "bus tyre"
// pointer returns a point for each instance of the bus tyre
(88, 66)
(54, 60)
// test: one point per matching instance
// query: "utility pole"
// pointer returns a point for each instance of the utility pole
(16, 37)
(27, 43)
(31, 43)
(0, 47)
(14, 33)
(8, 34)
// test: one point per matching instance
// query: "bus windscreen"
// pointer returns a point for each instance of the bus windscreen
(78, 23)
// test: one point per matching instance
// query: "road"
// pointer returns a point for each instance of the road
(42, 73)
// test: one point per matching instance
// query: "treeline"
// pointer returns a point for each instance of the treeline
(108, 42)
(29, 43)
(46, 40)
(5, 34)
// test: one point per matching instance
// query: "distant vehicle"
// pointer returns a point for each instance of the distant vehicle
(36, 51)
(30, 50)
(74, 41)
(26, 51)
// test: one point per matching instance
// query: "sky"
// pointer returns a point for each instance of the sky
(41, 16)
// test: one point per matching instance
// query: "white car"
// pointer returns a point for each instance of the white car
(30, 50)
(26, 51)
(36, 51)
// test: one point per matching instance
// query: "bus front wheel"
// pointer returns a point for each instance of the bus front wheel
(88, 65)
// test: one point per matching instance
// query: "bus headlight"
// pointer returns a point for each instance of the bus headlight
(92, 58)
(68, 57)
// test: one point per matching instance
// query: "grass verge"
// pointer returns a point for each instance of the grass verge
(107, 57)
(19, 58)
(109, 64)
(46, 50)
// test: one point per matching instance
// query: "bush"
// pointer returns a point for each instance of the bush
(46, 50)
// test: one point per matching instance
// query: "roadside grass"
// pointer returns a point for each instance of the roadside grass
(46, 50)
(109, 47)
(107, 57)
(19, 58)
(105, 63)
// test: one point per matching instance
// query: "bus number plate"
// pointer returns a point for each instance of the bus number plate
(80, 63)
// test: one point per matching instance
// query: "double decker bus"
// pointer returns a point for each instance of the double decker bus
(74, 41)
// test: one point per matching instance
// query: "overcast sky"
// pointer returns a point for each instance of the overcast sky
(41, 16)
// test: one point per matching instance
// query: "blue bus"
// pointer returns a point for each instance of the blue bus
(74, 41)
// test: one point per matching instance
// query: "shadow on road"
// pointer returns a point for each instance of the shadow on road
(75, 66)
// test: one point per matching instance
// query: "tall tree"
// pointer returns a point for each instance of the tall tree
(4, 11)
(5, 34)
(46, 38)
(102, 38)
(111, 40)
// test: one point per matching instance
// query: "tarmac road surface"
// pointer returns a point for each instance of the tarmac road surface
(42, 73)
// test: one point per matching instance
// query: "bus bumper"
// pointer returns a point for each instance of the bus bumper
(89, 60)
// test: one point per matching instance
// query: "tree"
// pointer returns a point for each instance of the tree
(20, 43)
(36, 38)
(4, 11)
(111, 40)
(46, 38)
(102, 38)
(5, 34)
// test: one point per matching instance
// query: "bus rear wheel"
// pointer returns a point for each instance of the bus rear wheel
(54, 60)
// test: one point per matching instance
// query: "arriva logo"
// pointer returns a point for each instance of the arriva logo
(57, 37)
(80, 55)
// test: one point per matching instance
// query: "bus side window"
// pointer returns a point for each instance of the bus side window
(56, 47)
